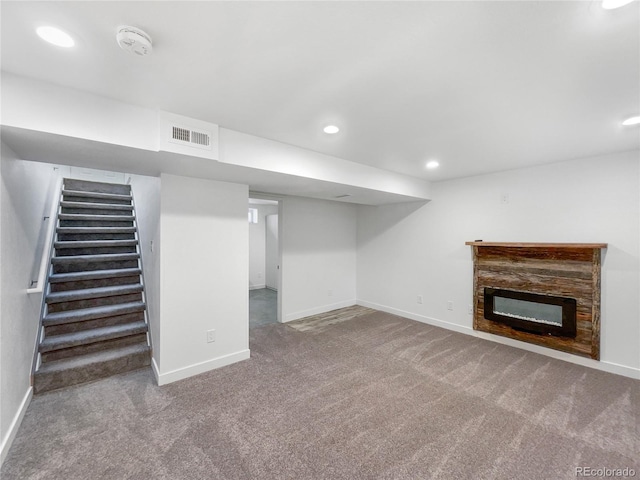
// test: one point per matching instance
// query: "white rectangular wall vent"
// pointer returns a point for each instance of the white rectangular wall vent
(188, 136)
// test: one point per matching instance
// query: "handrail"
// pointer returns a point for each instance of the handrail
(46, 250)
(139, 248)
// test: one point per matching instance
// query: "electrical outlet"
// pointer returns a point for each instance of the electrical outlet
(151, 245)
(259, 274)
(211, 336)
(420, 299)
(330, 293)
(504, 198)
(449, 305)
(470, 309)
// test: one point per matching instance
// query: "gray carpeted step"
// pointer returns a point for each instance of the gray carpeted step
(93, 275)
(68, 340)
(104, 311)
(73, 230)
(79, 217)
(96, 206)
(75, 295)
(85, 368)
(109, 257)
(97, 187)
(102, 232)
(97, 323)
(95, 243)
(98, 195)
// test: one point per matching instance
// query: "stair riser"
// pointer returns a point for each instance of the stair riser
(83, 267)
(95, 211)
(65, 252)
(101, 282)
(86, 186)
(93, 347)
(51, 381)
(94, 302)
(96, 223)
(96, 323)
(84, 237)
(111, 201)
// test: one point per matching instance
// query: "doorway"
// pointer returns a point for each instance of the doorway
(264, 261)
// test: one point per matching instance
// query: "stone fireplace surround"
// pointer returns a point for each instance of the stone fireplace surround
(570, 270)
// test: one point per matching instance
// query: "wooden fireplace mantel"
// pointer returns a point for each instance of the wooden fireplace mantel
(568, 270)
(535, 245)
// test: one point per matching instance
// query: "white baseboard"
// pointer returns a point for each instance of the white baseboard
(195, 369)
(15, 425)
(257, 287)
(418, 318)
(602, 365)
(156, 370)
(290, 317)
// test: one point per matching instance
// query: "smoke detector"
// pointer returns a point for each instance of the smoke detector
(134, 40)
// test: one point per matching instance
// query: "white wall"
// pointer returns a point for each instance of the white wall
(254, 152)
(25, 200)
(146, 194)
(272, 252)
(418, 249)
(36, 105)
(257, 235)
(204, 275)
(318, 241)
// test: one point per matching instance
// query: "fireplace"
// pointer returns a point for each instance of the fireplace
(547, 294)
(530, 312)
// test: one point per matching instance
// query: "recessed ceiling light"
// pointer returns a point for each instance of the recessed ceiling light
(433, 164)
(611, 4)
(55, 36)
(631, 121)
(331, 129)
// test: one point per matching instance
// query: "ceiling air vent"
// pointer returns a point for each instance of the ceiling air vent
(191, 137)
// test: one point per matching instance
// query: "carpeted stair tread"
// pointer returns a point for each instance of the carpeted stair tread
(100, 292)
(95, 218)
(98, 206)
(82, 314)
(67, 230)
(92, 358)
(101, 187)
(95, 243)
(93, 275)
(74, 339)
(92, 366)
(106, 257)
(103, 196)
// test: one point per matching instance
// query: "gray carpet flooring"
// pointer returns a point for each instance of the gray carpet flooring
(375, 397)
(263, 307)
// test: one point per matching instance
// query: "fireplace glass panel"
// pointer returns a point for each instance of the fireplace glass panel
(529, 311)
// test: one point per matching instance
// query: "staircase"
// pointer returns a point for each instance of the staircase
(93, 323)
